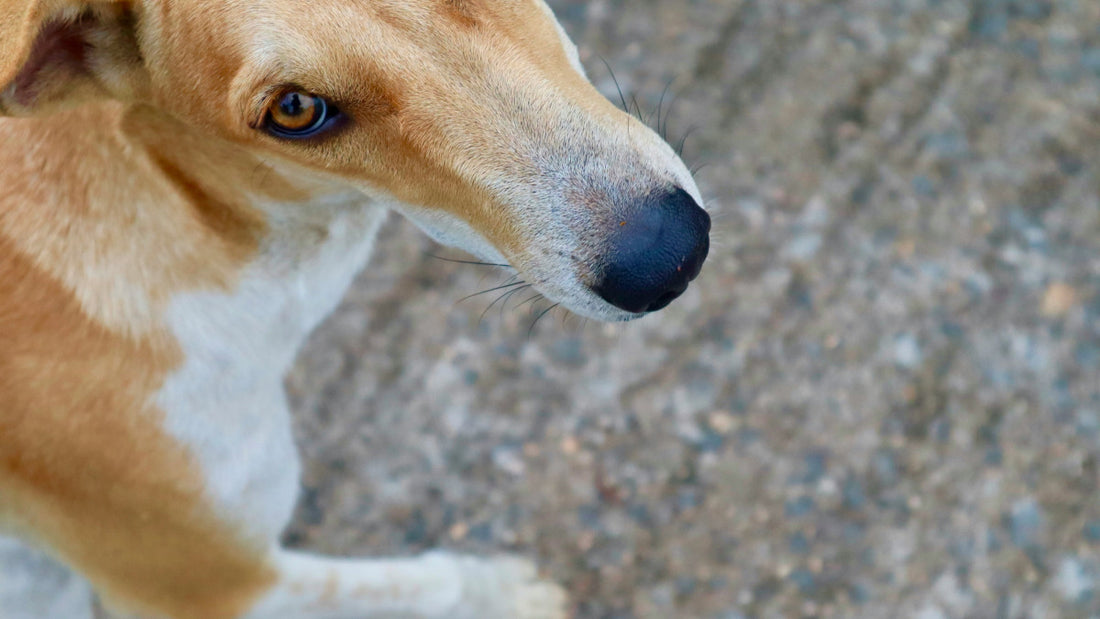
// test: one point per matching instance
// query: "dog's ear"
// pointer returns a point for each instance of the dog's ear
(55, 53)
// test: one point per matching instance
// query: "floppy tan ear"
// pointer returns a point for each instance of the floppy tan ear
(55, 53)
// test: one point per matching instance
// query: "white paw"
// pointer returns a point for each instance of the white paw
(504, 588)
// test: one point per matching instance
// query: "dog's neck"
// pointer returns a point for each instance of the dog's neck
(139, 209)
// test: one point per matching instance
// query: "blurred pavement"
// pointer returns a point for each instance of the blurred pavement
(881, 399)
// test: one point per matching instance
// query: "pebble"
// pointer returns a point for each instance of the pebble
(1058, 300)
(1092, 531)
(1090, 59)
(570, 445)
(803, 247)
(930, 612)
(797, 508)
(459, 531)
(1072, 580)
(798, 544)
(1026, 524)
(722, 422)
(907, 351)
(852, 492)
(884, 464)
(510, 460)
(805, 581)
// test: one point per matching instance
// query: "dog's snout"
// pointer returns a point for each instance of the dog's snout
(654, 253)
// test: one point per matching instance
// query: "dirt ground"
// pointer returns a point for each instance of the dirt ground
(882, 397)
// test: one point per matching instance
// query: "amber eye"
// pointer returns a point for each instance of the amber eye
(298, 114)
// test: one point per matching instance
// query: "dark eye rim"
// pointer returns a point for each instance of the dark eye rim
(327, 117)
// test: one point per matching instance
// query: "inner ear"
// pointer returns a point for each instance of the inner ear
(75, 58)
(59, 54)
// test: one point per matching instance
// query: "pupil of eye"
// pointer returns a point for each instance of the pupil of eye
(292, 105)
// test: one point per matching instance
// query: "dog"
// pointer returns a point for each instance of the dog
(188, 188)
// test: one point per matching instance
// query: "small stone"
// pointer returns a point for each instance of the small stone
(931, 612)
(853, 494)
(905, 248)
(804, 580)
(1026, 523)
(459, 531)
(924, 186)
(798, 544)
(907, 352)
(803, 247)
(1090, 59)
(509, 460)
(570, 445)
(1073, 581)
(815, 465)
(1059, 299)
(1092, 531)
(685, 586)
(586, 540)
(568, 351)
(796, 508)
(481, 532)
(589, 516)
(688, 498)
(859, 594)
(884, 464)
(722, 422)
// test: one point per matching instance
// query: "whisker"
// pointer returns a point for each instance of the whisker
(637, 113)
(503, 297)
(683, 140)
(472, 262)
(508, 297)
(546, 311)
(618, 87)
(529, 299)
(478, 294)
(661, 127)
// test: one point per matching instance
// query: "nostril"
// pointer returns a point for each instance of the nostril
(665, 300)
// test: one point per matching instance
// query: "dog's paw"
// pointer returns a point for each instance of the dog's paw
(505, 588)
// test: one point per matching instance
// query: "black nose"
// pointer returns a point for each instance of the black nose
(655, 252)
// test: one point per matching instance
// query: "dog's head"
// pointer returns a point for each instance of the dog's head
(472, 117)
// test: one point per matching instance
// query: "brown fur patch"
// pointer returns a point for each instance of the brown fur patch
(86, 470)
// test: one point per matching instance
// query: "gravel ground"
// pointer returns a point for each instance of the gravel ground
(881, 399)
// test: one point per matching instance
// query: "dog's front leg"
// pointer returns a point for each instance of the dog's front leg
(438, 584)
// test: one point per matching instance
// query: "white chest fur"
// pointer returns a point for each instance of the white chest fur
(226, 403)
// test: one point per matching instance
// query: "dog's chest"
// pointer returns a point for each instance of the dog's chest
(226, 402)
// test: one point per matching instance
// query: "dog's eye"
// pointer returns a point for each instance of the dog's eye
(298, 114)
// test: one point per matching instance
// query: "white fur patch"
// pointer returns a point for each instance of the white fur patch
(226, 403)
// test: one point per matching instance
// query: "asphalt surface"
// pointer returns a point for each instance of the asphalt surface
(882, 397)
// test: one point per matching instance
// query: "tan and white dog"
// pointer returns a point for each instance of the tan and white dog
(187, 187)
